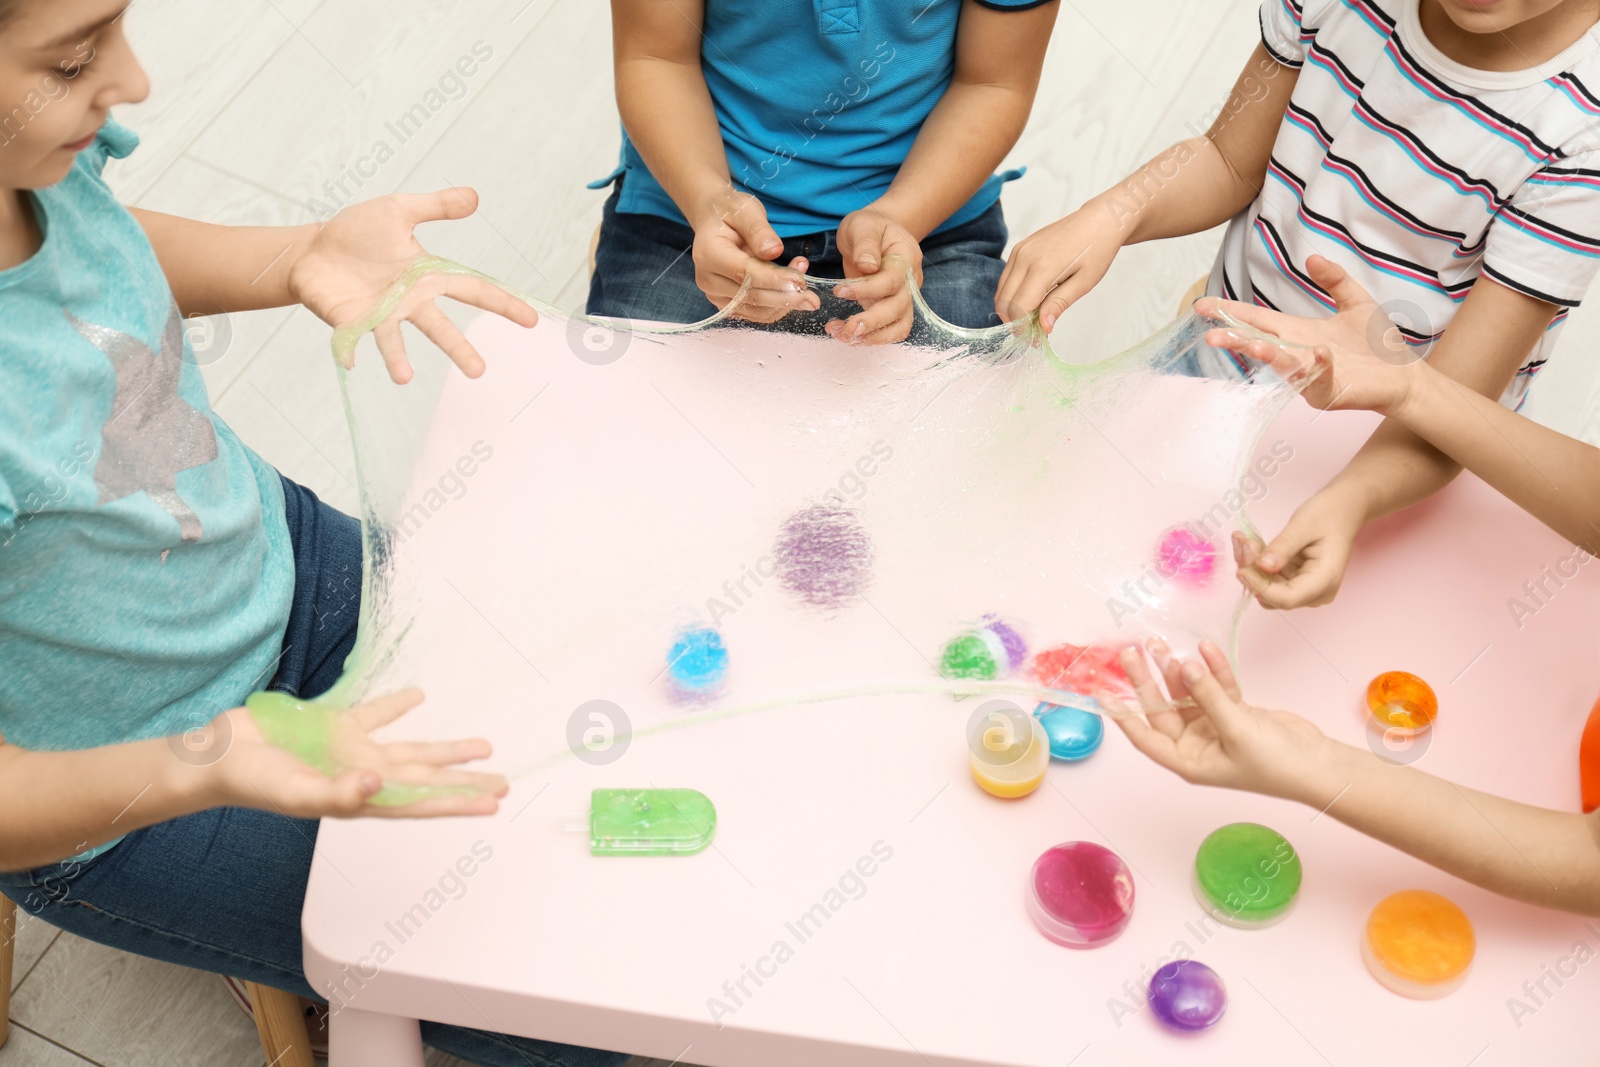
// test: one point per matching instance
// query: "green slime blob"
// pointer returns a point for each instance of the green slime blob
(968, 656)
(1247, 874)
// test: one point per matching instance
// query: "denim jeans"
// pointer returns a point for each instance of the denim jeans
(221, 890)
(644, 268)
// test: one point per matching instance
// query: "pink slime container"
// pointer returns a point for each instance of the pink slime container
(1080, 894)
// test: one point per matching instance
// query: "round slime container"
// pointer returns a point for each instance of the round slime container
(1080, 894)
(1186, 995)
(1401, 703)
(1246, 875)
(1007, 749)
(1074, 733)
(1418, 944)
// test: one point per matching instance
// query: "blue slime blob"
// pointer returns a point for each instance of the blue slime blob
(698, 661)
(1073, 732)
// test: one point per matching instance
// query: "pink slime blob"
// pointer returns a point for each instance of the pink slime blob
(1186, 557)
(1080, 894)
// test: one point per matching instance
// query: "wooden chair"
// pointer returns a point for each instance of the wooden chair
(279, 1022)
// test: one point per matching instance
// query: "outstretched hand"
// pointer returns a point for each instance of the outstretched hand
(356, 257)
(423, 779)
(1207, 734)
(1364, 360)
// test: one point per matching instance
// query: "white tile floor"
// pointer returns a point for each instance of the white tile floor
(259, 105)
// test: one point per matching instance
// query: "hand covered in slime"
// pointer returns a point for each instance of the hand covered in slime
(367, 256)
(1364, 366)
(315, 758)
(1219, 740)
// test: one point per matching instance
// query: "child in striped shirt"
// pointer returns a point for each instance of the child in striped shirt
(1541, 855)
(1423, 145)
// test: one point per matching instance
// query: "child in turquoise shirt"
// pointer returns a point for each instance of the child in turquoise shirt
(154, 571)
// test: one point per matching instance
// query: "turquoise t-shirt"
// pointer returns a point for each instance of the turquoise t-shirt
(145, 566)
(819, 104)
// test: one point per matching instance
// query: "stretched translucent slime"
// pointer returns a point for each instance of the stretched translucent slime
(816, 520)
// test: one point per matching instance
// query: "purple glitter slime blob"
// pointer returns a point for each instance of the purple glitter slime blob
(824, 556)
(1016, 648)
(1188, 996)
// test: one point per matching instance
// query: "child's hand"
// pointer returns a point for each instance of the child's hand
(883, 254)
(1366, 362)
(1221, 740)
(1049, 270)
(356, 257)
(732, 239)
(253, 773)
(1304, 565)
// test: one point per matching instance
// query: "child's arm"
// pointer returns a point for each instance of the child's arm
(340, 270)
(57, 804)
(1192, 186)
(1545, 857)
(999, 57)
(667, 111)
(1553, 477)
(1487, 340)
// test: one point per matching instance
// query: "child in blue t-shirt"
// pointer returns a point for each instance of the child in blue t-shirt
(828, 137)
(154, 571)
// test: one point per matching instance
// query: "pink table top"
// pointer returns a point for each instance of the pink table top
(509, 924)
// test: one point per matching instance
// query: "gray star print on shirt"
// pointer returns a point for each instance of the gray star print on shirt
(152, 433)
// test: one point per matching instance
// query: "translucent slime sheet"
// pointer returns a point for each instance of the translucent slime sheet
(690, 523)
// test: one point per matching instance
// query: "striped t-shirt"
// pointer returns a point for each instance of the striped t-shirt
(1417, 174)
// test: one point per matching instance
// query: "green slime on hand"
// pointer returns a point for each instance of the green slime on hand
(308, 729)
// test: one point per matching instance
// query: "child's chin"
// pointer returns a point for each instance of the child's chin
(1474, 19)
(49, 172)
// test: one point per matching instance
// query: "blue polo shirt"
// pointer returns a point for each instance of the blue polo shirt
(819, 104)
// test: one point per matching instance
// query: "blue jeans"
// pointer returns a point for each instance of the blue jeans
(644, 268)
(221, 890)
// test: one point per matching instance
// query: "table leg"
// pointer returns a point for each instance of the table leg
(369, 1039)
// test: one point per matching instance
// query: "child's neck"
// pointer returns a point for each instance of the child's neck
(1519, 47)
(19, 230)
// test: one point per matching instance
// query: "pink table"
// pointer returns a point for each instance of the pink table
(509, 924)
